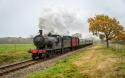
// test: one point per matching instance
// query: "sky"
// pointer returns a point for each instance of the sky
(25, 17)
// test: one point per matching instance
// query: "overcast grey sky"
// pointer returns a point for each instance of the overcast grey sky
(21, 17)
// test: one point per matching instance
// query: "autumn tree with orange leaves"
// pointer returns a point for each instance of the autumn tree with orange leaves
(120, 36)
(108, 26)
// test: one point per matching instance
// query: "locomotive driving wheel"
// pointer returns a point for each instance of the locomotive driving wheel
(34, 56)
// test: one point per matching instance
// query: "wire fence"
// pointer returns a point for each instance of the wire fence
(117, 47)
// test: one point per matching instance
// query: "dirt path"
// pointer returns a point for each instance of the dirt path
(98, 62)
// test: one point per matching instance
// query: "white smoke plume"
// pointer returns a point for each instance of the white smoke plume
(61, 22)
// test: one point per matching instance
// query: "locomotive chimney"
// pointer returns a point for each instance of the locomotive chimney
(40, 31)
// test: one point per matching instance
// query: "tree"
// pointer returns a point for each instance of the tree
(103, 24)
(77, 35)
(120, 36)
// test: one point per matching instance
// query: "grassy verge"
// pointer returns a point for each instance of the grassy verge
(118, 47)
(14, 52)
(94, 62)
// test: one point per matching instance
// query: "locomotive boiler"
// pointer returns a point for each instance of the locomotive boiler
(51, 45)
(47, 42)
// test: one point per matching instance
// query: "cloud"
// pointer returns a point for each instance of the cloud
(20, 17)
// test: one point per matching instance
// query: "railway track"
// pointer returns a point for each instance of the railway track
(16, 66)
(20, 65)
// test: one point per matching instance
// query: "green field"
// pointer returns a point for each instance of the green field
(10, 53)
(93, 62)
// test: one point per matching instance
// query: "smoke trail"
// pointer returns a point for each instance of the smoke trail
(60, 21)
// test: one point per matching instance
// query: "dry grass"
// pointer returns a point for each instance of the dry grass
(97, 64)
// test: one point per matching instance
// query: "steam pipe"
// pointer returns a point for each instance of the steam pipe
(41, 32)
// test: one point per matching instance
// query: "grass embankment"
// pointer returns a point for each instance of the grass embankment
(93, 62)
(14, 52)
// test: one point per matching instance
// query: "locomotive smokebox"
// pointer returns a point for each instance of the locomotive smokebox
(41, 32)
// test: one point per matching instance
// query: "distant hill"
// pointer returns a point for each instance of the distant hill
(15, 40)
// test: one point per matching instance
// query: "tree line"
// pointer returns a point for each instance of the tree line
(15, 40)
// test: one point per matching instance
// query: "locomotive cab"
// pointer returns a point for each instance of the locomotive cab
(53, 41)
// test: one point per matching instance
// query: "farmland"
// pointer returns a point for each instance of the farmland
(92, 62)
(10, 53)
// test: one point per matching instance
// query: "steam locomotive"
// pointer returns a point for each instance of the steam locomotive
(51, 45)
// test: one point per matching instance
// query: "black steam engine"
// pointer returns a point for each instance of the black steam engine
(51, 45)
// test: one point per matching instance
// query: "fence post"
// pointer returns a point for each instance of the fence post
(15, 47)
